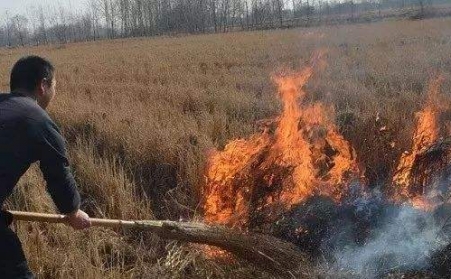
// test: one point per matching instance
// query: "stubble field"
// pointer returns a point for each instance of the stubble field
(141, 115)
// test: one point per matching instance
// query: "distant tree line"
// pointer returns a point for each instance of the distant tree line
(109, 19)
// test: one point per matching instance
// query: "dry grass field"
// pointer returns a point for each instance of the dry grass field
(140, 116)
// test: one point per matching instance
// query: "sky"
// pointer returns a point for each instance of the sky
(23, 6)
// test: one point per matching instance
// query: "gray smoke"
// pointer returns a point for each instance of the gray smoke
(405, 239)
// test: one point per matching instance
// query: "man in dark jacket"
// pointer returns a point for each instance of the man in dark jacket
(28, 135)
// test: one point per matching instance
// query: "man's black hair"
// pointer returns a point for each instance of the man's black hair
(29, 71)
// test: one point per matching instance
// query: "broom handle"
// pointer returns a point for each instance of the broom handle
(58, 218)
(252, 247)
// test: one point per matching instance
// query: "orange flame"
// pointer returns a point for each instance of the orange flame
(409, 185)
(305, 155)
(224, 198)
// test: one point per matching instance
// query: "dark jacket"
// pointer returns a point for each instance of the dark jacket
(27, 135)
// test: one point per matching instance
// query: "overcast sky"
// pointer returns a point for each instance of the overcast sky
(22, 6)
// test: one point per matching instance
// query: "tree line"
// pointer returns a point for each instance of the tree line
(109, 19)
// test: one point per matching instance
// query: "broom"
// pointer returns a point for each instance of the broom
(267, 252)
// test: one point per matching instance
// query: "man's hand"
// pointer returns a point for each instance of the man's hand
(78, 220)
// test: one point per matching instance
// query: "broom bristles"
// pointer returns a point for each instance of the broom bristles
(264, 251)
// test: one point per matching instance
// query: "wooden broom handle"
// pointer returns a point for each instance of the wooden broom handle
(58, 218)
(260, 250)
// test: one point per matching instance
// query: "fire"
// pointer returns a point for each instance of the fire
(293, 180)
(410, 182)
(301, 153)
(225, 199)
(304, 156)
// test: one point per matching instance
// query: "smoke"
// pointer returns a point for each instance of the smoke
(403, 239)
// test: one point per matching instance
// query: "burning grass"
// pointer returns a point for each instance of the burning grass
(306, 156)
(283, 167)
(305, 186)
(141, 115)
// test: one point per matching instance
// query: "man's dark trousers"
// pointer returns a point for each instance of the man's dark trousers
(13, 264)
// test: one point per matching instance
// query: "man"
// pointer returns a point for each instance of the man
(28, 135)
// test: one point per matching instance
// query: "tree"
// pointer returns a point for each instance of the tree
(213, 13)
(124, 12)
(58, 21)
(20, 29)
(8, 30)
(87, 26)
(39, 25)
(108, 8)
(279, 6)
(42, 25)
(109, 18)
(94, 15)
(421, 3)
(225, 14)
(2, 36)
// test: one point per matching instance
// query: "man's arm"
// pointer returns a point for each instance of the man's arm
(55, 167)
(54, 164)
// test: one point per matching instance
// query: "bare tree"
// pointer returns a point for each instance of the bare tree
(225, 14)
(138, 15)
(280, 6)
(150, 11)
(2, 36)
(108, 9)
(94, 15)
(124, 12)
(110, 18)
(421, 3)
(42, 24)
(237, 12)
(8, 29)
(213, 13)
(20, 28)
(86, 27)
(58, 21)
(38, 22)
(246, 3)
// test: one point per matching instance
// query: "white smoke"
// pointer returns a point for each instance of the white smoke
(405, 240)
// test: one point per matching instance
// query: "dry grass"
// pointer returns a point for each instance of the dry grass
(140, 115)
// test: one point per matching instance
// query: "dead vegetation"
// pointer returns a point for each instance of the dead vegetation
(140, 115)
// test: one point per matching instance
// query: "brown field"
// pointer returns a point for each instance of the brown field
(140, 116)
